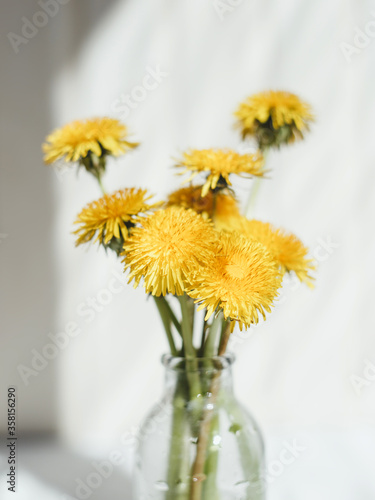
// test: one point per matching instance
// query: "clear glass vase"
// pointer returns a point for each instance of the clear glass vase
(199, 443)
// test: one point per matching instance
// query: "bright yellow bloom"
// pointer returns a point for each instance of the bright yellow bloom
(241, 278)
(288, 251)
(219, 164)
(111, 217)
(79, 139)
(225, 205)
(274, 117)
(165, 250)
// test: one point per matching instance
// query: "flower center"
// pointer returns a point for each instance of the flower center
(235, 270)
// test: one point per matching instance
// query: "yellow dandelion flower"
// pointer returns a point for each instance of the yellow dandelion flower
(111, 217)
(80, 139)
(288, 251)
(219, 164)
(170, 243)
(274, 118)
(222, 204)
(241, 278)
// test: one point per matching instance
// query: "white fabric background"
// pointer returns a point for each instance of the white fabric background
(295, 369)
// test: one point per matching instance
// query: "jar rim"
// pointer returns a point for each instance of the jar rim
(213, 363)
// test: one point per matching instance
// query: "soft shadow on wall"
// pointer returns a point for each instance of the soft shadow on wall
(31, 56)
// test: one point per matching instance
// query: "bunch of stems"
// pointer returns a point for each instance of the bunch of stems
(194, 420)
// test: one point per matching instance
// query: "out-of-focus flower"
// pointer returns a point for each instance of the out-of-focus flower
(219, 204)
(274, 118)
(219, 164)
(287, 250)
(112, 217)
(88, 142)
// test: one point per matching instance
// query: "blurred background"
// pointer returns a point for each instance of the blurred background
(308, 373)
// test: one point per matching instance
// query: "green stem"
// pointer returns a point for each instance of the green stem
(225, 334)
(172, 315)
(166, 319)
(252, 197)
(212, 338)
(203, 339)
(224, 338)
(191, 359)
(254, 193)
(187, 328)
(191, 311)
(99, 177)
(179, 447)
(210, 484)
(198, 468)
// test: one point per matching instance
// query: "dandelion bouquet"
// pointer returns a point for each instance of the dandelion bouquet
(195, 252)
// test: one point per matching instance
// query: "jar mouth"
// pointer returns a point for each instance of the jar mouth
(214, 363)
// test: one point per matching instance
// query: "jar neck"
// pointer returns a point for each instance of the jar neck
(217, 369)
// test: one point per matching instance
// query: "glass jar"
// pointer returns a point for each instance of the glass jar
(199, 443)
